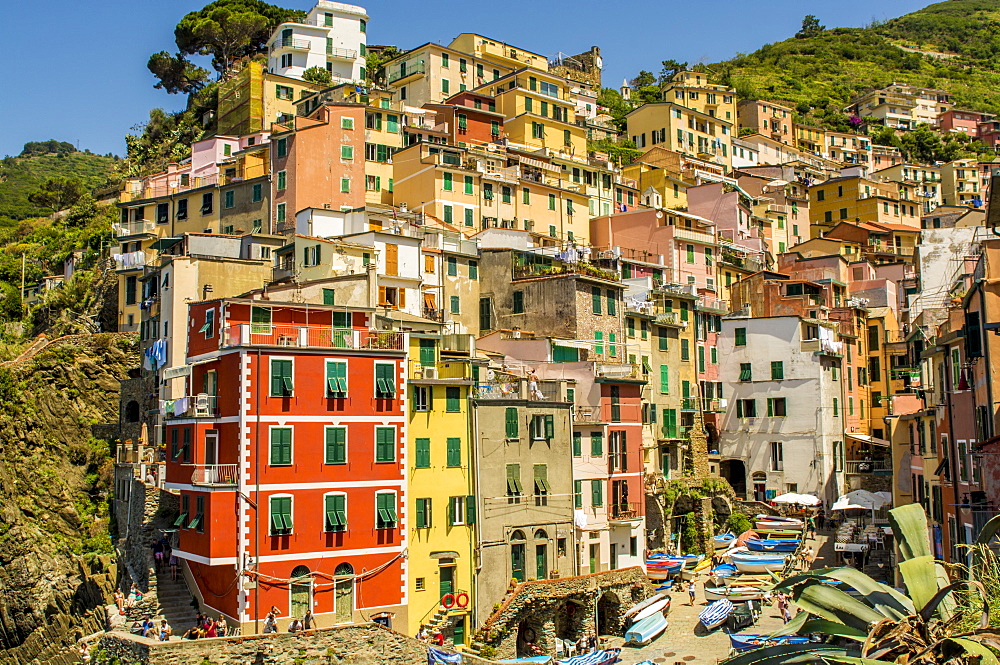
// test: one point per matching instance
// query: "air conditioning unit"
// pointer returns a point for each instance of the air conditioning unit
(430, 373)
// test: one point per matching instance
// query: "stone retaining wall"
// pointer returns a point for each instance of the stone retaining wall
(368, 644)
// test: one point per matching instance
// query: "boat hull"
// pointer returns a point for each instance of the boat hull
(661, 606)
(647, 630)
(768, 545)
(743, 642)
(734, 594)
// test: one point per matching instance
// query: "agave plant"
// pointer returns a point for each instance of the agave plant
(878, 625)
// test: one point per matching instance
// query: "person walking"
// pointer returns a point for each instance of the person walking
(691, 592)
(174, 563)
(820, 519)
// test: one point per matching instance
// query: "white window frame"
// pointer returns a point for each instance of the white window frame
(291, 461)
(326, 527)
(396, 381)
(269, 371)
(460, 515)
(427, 404)
(347, 439)
(395, 500)
(269, 520)
(326, 373)
(395, 438)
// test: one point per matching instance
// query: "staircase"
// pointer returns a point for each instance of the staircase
(173, 602)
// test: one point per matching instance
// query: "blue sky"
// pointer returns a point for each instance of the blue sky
(77, 72)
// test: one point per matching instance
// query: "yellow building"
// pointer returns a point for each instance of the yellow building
(498, 52)
(921, 182)
(960, 183)
(853, 198)
(252, 99)
(431, 73)
(441, 491)
(887, 349)
(670, 186)
(809, 138)
(680, 129)
(692, 90)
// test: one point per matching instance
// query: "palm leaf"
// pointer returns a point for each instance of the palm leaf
(835, 605)
(909, 528)
(990, 530)
(793, 626)
(943, 594)
(921, 579)
(986, 655)
(787, 653)
(883, 597)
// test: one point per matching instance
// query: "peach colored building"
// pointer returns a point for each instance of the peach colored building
(767, 118)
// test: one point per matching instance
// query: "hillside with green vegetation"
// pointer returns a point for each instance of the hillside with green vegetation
(40, 162)
(952, 45)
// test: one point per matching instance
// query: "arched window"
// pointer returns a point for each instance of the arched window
(343, 593)
(541, 535)
(517, 535)
(300, 589)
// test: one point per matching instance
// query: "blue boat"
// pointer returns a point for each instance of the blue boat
(723, 570)
(762, 545)
(542, 660)
(724, 540)
(747, 642)
(600, 657)
(758, 562)
(716, 614)
(645, 631)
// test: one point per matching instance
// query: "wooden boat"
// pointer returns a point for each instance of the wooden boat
(653, 601)
(716, 613)
(541, 660)
(772, 545)
(758, 562)
(771, 522)
(723, 570)
(747, 642)
(736, 594)
(645, 631)
(745, 579)
(665, 586)
(723, 541)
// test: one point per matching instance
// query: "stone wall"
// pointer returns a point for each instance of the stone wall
(142, 510)
(368, 644)
(565, 608)
(869, 481)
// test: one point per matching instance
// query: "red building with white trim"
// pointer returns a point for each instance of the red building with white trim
(288, 455)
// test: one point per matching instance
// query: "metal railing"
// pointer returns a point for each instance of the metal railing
(617, 370)
(587, 414)
(667, 318)
(134, 228)
(130, 260)
(624, 510)
(290, 43)
(341, 53)
(201, 405)
(410, 69)
(215, 474)
(256, 334)
(867, 466)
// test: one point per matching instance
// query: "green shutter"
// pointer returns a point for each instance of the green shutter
(777, 370)
(612, 303)
(336, 512)
(423, 453)
(664, 379)
(385, 381)
(453, 399)
(328, 296)
(514, 479)
(511, 422)
(470, 510)
(598, 345)
(336, 445)
(741, 337)
(685, 349)
(473, 269)
(596, 444)
(336, 379)
(454, 452)
(597, 493)
(577, 444)
(448, 182)
(578, 494)
(281, 445)
(385, 444)
(663, 339)
(422, 521)
(541, 477)
(281, 378)
(596, 298)
(550, 427)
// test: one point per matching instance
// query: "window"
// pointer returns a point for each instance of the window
(511, 423)
(597, 493)
(777, 456)
(423, 518)
(282, 146)
(746, 372)
(385, 510)
(741, 337)
(198, 523)
(685, 349)
(543, 427)
(746, 408)
(518, 302)
(596, 444)
(385, 381)
(459, 512)
(577, 444)
(485, 314)
(347, 123)
(281, 515)
(541, 484)
(281, 377)
(281, 212)
(347, 153)
(599, 342)
(206, 204)
(595, 293)
(281, 446)
(664, 379)
(777, 370)
(336, 445)
(209, 327)
(836, 407)
(445, 86)
(514, 489)
(423, 453)
(335, 507)
(578, 494)
(552, 201)
(448, 181)
(345, 185)
(612, 303)
(257, 194)
(385, 444)
(455, 304)
(776, 407)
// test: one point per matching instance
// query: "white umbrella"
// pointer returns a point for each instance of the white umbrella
(778, 183)
(799, 499)
(887, 497)
(862, 499)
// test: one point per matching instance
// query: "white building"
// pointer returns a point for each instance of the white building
(783, 429)
(745, 154)
(332, 36)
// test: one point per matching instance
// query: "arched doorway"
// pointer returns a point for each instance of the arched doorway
(759, 479)
(343, 593)
(541, 555)
(132, 412)
(300, 590)
(529, 635)
(608, 610)
(570, 621)
(517, 552)
(735, 471)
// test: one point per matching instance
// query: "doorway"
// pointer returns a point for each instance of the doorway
(343, 593)
(446, 577)
(458, 632)
(595, 557)
(614, 556)
(735, 471)
(300, 589)
(607, 614)
(517, 554)
(541, 561)
(211, 448)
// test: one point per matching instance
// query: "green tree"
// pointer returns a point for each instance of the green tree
(810, 27)
(58, 194)
(176, 73)
(228, 30)
(317, 75)
(643, 78)
(671, 67)
(375, 60)
(10, 302)
(47, 147)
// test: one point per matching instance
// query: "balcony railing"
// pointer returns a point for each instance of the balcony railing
(291, 44)
(867, 466)
(453, 370)
(130, 260)
(215, 475)
(134, 228)
(668, 318)
(201, 405)
(624, 511)
(341, 53)
(587, 414)
(714, 305)
(689, 404)
(617, 371)
(255, 334)
(411, 69)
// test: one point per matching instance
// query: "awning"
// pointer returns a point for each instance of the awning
(164, 243)
(868, 439)
(539, 164)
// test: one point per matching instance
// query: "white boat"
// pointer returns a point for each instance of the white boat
(716, 614)
(662, 606)
(758, 563)
(734, 593)
(649, 602)
(645, 631)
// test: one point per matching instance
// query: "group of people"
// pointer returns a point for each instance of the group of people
(805, 557)
(425, 636)
(148, 628)
(163, 555)
(206, 626)
(134, 597)
(294, 626)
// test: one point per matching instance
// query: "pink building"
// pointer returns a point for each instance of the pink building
(731, 212)
(960, 120)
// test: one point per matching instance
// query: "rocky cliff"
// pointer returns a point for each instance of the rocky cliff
(55, 480)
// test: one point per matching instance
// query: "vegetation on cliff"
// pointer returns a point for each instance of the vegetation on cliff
(25, 174)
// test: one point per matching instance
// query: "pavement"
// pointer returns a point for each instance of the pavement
(686, 642)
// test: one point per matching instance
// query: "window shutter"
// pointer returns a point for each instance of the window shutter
(422, 513)
(511, 422)
(596, 444)
(550, 428)
(423, 453)
(577, 444)
(470, 510)
(454, 452)
(596, 493)
(336, 445)
(741, 337)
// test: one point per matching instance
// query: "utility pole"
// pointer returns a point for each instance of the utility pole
(23, 259)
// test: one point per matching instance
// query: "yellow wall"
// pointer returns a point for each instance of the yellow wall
(662, 117)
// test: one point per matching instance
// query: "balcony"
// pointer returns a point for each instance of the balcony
(693, 235)
(713, 305)
(689, 403)
(618, 371)
(713, 405)
(822, 348)
(555, 267)
(406, 72)
(876, 467)
(290, 44)
(201, 405)
(335, 53)
(312, 337)
(440, 371)
(587, 414)
(668, 319)
(624, 511)
(129, 261)
(137, 228)
(215, 475)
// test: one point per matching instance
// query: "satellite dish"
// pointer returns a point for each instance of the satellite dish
(599, 62)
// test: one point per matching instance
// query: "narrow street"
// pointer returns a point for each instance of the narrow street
(686, 641)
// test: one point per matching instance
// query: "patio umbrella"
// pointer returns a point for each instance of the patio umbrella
(860, 499)
(885, 497)
(800, 499)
